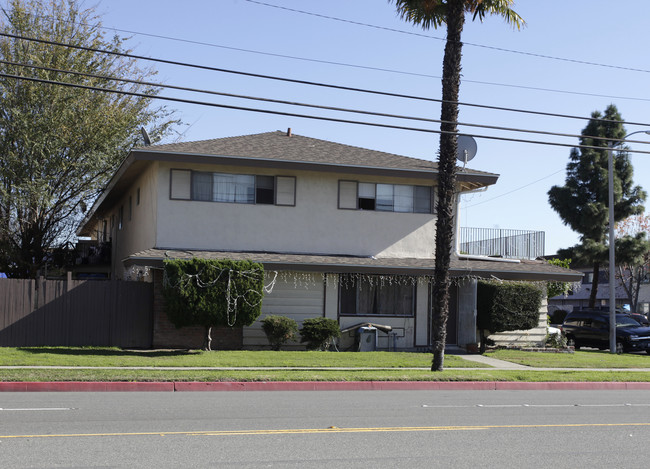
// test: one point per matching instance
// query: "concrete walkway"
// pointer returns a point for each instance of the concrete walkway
(493, 362)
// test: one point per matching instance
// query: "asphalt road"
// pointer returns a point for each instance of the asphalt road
(347, 429)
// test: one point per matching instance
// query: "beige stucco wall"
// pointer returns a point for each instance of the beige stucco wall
(138, 232)
(314, 225)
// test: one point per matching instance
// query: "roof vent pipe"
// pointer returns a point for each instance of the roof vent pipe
(289, 132)
(145, 136)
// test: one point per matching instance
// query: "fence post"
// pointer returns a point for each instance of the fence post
(40, 292)
(33, 302)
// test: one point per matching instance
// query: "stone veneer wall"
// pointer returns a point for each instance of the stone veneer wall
(166, 335)
(535, 337)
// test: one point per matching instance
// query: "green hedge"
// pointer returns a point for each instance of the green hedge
(200, 292)
(507, 306)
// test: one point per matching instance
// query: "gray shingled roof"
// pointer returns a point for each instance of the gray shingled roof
(295, 148)
(522, 270)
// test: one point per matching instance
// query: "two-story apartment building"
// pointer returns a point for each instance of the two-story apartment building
(344, 232)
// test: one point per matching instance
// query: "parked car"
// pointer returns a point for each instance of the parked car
(591, 329)
(640, 318)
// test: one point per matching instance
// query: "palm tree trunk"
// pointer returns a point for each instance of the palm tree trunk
(446, 180)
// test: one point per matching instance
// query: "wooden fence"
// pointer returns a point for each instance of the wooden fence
(75, 313)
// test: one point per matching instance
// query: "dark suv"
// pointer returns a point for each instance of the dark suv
(591, 329)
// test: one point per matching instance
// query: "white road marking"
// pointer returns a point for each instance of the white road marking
(37, 409)
(498, 406)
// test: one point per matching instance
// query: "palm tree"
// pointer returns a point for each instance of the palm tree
(435, 13)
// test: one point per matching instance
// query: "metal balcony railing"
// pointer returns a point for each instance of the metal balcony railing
(510, 244)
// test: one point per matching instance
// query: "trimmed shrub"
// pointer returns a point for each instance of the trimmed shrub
(207, 292)
(279, 330)
(507, 306)
(318, 332)
(555, 340)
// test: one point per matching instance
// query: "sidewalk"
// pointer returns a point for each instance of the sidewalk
(181, 386)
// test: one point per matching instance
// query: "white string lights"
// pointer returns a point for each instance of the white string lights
(203, 279)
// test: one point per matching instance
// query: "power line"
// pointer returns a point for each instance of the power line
(411, 33)
(377, 69)
(304, 116)
(514, 190)
(313, 106)
(309, 83)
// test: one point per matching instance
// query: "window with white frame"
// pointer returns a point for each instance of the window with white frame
(373, 295)
(232, 188)
(403, 198)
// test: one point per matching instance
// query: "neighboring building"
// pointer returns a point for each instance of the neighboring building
(349, 231)
(578, 297)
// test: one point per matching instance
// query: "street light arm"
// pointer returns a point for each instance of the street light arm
(615, 141)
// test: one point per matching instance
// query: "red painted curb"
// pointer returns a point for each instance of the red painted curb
(569, 386)
(84, 386)
(332, 386)
(404, 386)
(634, 385)
(81, 386)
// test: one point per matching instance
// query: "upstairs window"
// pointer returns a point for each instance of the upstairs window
(237, 188)
(233, 188)
(385, 197)
(265, 190)
(367, 196)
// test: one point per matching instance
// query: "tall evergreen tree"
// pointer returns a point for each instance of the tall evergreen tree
(435, 13)
(59, 144)
(582, 202)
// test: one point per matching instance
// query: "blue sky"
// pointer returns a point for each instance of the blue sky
(220, 32)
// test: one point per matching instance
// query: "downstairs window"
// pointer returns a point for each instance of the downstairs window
(374, 295)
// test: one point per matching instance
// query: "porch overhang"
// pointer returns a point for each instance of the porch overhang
(529, 270)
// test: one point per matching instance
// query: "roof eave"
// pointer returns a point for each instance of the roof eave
(83, 225)
(482, 179)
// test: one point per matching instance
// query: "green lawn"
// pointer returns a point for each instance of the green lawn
(102, 357)
(580, 359)
(315, 375)
(398, 366)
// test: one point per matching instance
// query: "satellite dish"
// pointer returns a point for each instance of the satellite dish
(145, 137)
(466, 149)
